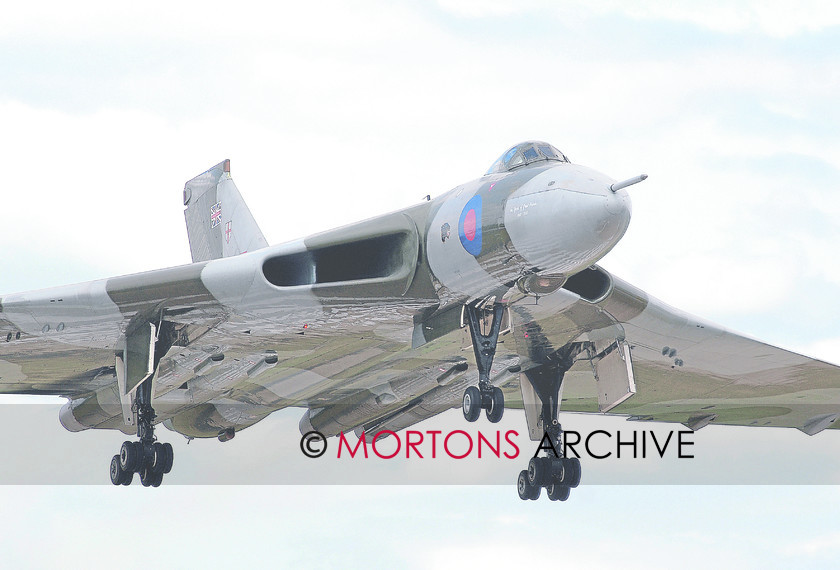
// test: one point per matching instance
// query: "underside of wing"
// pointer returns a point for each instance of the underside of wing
(684, 369)
(361, 367)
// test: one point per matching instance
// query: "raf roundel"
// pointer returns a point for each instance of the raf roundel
(469, 226)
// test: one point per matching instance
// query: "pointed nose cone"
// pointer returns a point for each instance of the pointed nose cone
(564, 230)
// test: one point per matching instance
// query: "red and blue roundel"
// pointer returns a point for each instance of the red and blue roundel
(469, 226)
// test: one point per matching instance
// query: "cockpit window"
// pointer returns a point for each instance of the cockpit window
(524, 154)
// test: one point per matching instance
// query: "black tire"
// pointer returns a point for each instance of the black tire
(497, 406)
(157, 479)
(116, 471)
(169, 458)
(146, 477)
(471, 404)
(538, 471)
(558, 492)
(130, 455)
(158, 458)
(571, 472)
(128, 477)
(523, 486)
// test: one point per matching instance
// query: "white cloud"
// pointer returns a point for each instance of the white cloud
(777, 18)
(780, 18)
(819, 545)
(507, 553)
(330, 23)
(826, 349)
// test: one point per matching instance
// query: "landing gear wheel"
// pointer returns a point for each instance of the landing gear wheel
(539, 471)
(148, 478)
(116, 472)
(558, 492)
(130, 455)
(169, 457)
(497, 405)
(525, 489)
(571, 472)
(156, 464)
(128, 477)
(162, 458)
(471, 404)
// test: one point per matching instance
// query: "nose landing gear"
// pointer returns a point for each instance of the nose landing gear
(492, 400)
(486, 396)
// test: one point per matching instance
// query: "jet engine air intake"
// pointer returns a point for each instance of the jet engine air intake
(592, 284)
(370, 258)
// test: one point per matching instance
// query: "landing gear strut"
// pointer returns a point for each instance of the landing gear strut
(485, 396)
(552, 471)
(148, 457)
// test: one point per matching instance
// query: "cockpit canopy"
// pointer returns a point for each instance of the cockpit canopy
(526, 153)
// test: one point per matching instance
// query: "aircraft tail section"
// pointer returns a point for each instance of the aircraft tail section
(219, 223)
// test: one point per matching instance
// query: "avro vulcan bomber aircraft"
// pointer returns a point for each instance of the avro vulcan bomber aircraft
(368, 327)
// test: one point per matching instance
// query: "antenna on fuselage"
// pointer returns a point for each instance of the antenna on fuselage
(629, 182)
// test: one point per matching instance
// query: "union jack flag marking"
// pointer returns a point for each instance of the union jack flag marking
(215, 214)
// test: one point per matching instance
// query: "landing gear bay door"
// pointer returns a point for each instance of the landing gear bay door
(613, 369)
(533, 405)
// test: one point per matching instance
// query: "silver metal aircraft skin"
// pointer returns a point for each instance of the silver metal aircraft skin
(369, 326)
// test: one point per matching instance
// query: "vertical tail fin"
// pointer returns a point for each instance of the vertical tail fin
(219, 223)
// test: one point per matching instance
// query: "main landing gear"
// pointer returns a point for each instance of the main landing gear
(150, 458)
(553, 471)
(558, 474)
(486, 396)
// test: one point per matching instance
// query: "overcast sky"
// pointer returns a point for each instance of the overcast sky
(334, 112)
